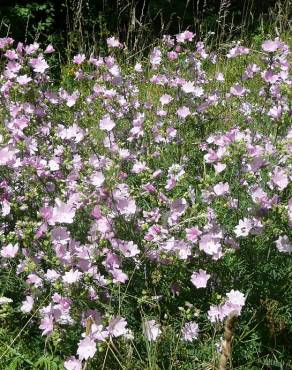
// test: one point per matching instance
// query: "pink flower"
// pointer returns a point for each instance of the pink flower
(103, 225)
(119, 276)
(125, 205)
(106, 123)
(11, 54)
(79, 59)
(237, 90)
(149, 188)
(96, 213)
(182, 249)
(192, 234)
(27, 304)
(237, 51)
(129, 249)
(9, 251)
(53, 164)
(234, 302)
(117, 326)
(49, 49)
(178, 206)
(165, 99)
(62, 213)
(290, 212)
(210, 245)
(115, 70)
(72, 276)
(221, 189)
(168, 40)
(34, 280)
(172, 55)
(6, 155)
(30, 49)
(47, 324)
(271, 46)
(190, 331)
(155, 58)
(243, 228)
(51, 275)
(270, 77)
(39, 64)
(188, 87)
(86, 349)
(98, 332)
(219, 77)
(97, 179)
(60, 235)
(200, 279)
(283, 244)
(215, 313)
(185, 36)
(5, 41)
(71, 99)
(151, 330)
(198, 91)
(139, 167)
(23, 79)
(113, 42)
(275, 112)
(280, 178)
(183, 112)
(5, 205)
(73, 364)
(236, 297)
(138, 67)
(228, 307)
(219, 167)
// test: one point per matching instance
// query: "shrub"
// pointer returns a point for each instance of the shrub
(141, 204)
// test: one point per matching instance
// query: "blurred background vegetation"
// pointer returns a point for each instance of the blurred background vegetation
(83, 25)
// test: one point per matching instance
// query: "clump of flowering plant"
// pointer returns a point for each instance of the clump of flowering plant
(141, 187)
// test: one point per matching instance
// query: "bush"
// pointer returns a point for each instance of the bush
(142, 204)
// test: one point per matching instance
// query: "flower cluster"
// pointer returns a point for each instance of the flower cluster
(119, 176)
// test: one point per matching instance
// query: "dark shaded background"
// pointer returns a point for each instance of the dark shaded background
(81, 24)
